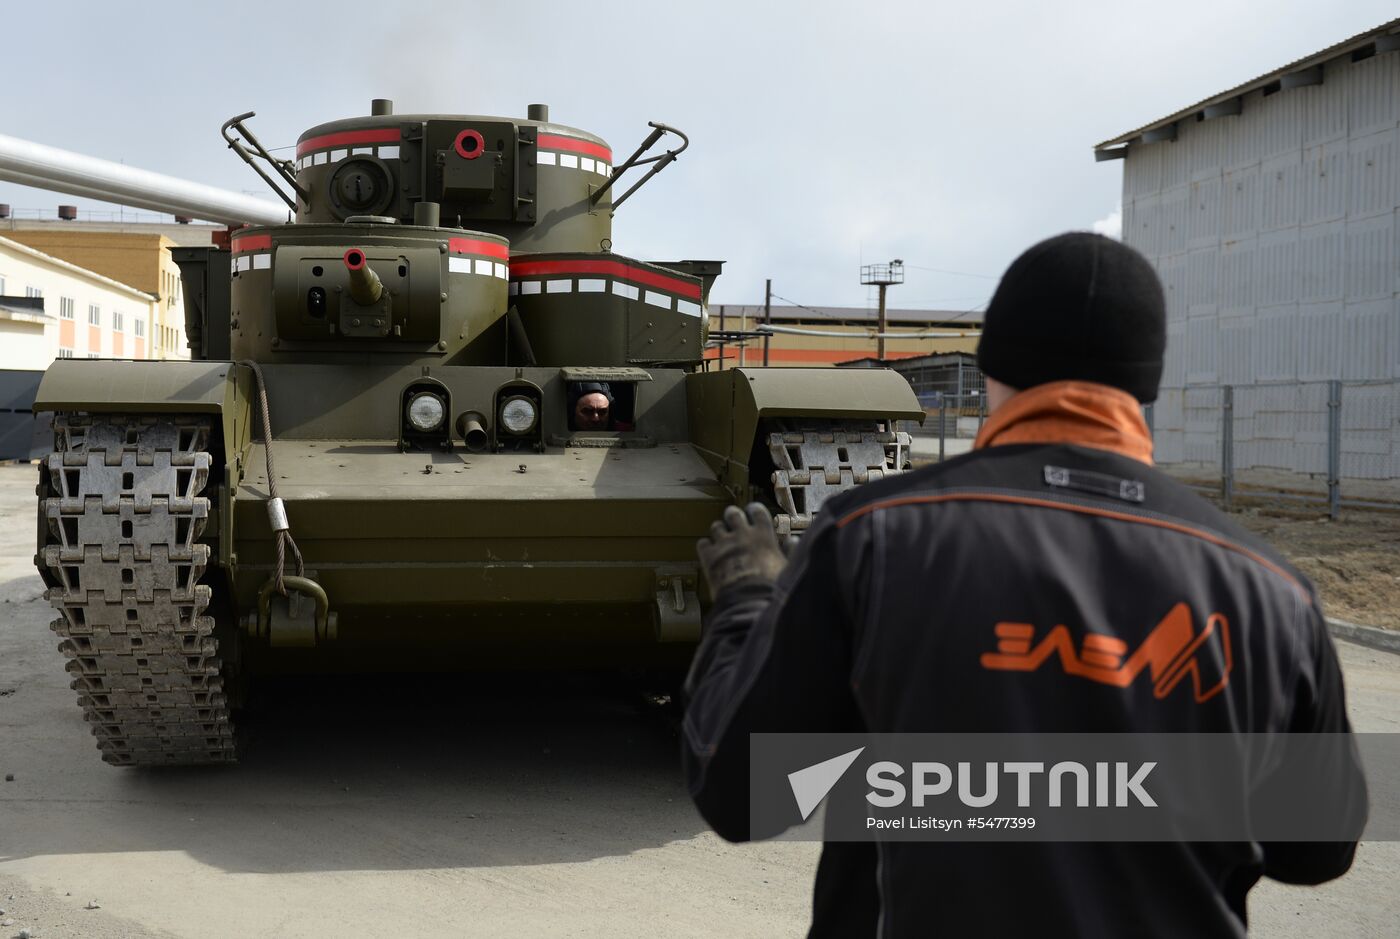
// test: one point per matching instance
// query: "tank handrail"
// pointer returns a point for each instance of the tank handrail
(284, 168)
(662, 160)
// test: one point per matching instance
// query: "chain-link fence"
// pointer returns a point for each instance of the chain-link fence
(951, 423)
(1328, 442)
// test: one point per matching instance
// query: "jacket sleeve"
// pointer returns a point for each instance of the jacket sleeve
(1325, 768)
(774, 658)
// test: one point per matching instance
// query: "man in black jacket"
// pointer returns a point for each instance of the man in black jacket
(1050, 581)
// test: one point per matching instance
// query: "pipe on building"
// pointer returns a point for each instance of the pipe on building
(33, 164)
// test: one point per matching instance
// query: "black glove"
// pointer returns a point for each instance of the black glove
(740, 546)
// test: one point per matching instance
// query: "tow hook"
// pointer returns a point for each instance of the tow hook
(298, 620)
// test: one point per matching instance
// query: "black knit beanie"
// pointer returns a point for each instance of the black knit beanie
(1077, 306)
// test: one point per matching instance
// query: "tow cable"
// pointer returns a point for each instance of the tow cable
(276, 508)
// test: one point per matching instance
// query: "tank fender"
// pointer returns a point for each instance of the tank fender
(164, 387)
(725, 408)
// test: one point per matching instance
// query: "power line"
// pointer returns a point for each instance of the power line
(809, 309)
(939, 270)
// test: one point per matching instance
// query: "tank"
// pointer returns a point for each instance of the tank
(435, 422)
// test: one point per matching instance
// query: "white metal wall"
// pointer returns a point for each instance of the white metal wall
(1274, 232)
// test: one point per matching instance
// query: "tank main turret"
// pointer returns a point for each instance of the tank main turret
(541, 185)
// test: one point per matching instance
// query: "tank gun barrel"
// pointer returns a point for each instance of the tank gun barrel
(44, 167)
(365, 285)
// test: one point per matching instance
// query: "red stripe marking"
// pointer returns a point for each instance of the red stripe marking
(1083, 509)
(607, 268)
(473, 246)
(574, 145)
(252, 243)
(349, 138)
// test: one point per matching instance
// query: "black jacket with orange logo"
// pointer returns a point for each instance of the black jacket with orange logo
(1025, 587)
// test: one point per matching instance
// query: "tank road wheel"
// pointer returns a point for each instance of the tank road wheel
(123, 562)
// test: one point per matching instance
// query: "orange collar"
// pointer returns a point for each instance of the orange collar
(1075, 412)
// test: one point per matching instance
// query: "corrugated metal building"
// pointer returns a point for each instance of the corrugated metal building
(1270, 212)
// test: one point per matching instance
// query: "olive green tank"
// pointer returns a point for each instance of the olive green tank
(435, 423)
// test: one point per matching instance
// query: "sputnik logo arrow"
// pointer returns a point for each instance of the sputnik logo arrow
(811, 785)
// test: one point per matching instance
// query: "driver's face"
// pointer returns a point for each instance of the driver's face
(591, 412)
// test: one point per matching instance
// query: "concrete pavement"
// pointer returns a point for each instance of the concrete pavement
(386, 807)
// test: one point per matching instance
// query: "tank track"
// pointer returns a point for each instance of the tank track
(124, 515)
(814, 465)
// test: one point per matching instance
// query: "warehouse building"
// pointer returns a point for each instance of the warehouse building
(1270, 212)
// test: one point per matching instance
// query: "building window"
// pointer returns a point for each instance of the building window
(33, 292)
(138, 328)
(118, 321)
(94, 314)
(2, 285)
(94, 355)
(65, 308)
(65, 353)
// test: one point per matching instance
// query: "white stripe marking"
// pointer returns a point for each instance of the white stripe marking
(687, 307)
(592, 286)
(625, 290)
(262, 262)
(530, 286)
(659, 299)
(545, 158)
(457, 265)
(559, 286)
(568, 160)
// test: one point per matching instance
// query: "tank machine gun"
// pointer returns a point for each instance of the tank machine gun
(407, 345)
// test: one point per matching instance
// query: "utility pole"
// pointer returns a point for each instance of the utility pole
(721, 329)
(767, 315)
(882, 276)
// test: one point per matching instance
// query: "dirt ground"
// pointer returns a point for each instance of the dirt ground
(1355, 562)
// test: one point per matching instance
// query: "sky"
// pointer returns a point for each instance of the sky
(823, 135)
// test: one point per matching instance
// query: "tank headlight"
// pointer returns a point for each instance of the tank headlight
(518, 415)
(426, 411)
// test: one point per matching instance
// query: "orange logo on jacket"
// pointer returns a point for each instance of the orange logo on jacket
(1172, 651)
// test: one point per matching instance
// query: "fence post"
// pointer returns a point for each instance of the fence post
(1227, 447)
(942, 424)
(1334, 449)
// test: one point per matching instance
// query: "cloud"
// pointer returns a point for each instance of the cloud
(1111, 224)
